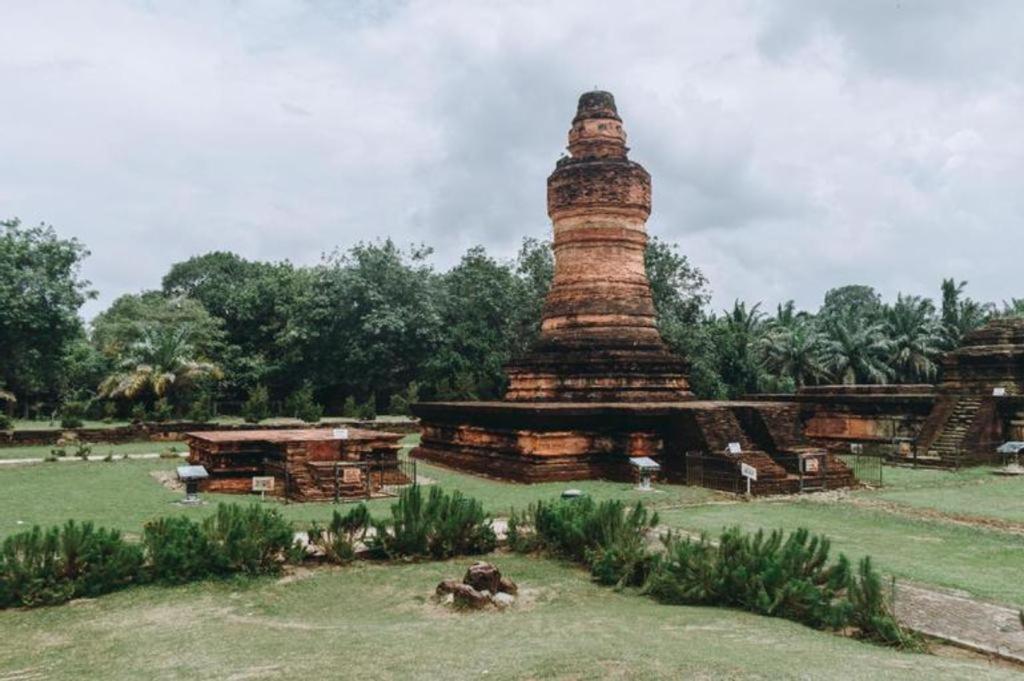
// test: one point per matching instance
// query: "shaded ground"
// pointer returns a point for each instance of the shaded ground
(378, 622)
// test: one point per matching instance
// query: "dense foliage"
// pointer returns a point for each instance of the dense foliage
(375, 328)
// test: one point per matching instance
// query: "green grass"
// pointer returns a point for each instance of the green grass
(98, 448)
(377, 621)
(984, 563)
(991, 496)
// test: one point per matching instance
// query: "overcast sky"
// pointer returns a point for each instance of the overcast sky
(794, 146)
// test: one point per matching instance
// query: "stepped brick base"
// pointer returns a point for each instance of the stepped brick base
(561, 441)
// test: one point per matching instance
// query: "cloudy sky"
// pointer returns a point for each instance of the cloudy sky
(794, 145)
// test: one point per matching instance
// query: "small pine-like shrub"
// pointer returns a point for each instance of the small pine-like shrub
(256, 407)
(40, 567)
(440, 526)
(162, 410)
(200, 409)
(606, 537)
(6, 422)
(367, 411)
(872, 614)
(138, 413)
(302, 405)
(400, 402)
(349, 408)
(178, 550)
(251, 539)
(338, 539)
(72, 413)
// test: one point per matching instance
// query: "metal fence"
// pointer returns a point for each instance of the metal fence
(364, 480)
(866, 468)
(713, 472)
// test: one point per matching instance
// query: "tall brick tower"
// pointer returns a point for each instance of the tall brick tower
(599, 341)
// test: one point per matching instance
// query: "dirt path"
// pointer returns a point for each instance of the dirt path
(963, 621)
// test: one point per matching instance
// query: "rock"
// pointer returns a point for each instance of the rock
(483, 577)
(447, 586)
(507, 586)
(503, 600)
(466, 596)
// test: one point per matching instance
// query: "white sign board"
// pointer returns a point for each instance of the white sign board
(350, 475)
(734, 448)
(263, 484)
(748, 471)
(998, 392)
(340, 433)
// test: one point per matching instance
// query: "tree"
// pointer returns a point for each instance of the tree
(793, 349)
(915, 337)
(130, 317)
(852, 302)
(254, 302)
(162, 364)
(855, 350)
(41, 291)
(960, 314)
(368, 322)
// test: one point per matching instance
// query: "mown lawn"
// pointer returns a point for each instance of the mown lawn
(979, 493)
(378, 622)
(985, 563)
(46, 424)
(97, 449)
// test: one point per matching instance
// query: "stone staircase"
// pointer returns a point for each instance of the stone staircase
(954, 431)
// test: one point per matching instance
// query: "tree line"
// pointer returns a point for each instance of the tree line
(376, 327)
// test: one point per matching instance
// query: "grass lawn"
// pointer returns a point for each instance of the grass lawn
(98, 449)
(972, 492)
(378, 622)
(984, 563)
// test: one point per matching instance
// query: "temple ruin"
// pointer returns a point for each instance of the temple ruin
(600, 385)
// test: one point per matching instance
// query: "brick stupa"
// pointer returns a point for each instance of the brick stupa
(599, 338)
(600, 385)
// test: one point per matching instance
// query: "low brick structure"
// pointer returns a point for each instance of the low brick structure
(306, 464)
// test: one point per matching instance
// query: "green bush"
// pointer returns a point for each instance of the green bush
(440, 526)
(350, 408)
(201, 409)
(400, 402)
(162, 410)
(256, 407)
(72, 413)
(6, 422)
(252, 539)
(138, 413)
(302, 405)
(40, 567)
(367, 411)
(178, 550)
(780, 576)
(606, 537)
(338, 539)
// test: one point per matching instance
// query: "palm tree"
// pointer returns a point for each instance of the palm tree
(161, 360)
(855, 351)
(1014, 308)
(794, 350)
(916, 338)
(959, 314)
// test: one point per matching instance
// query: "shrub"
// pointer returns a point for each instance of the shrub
(779, 576)
(252, 539)
(338, 539)
(138, 413)
(606, 537)
(399, 402)
(441, 526)
(349, 408)
(72, 413)
(53, 566)
(367, 411)
(256, 407)
(178, 550)
(82, 450)
(303, 405)
(201, 409)
(162, 410)
(6, 422)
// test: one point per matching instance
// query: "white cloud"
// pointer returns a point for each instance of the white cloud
(794, 146)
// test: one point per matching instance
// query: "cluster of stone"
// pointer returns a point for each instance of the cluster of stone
(482, 586)
(599, 340)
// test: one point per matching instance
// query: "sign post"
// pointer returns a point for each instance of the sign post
(263, 484)
(748, 472)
